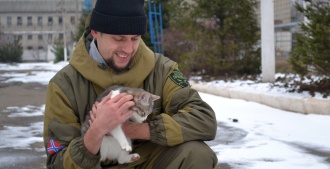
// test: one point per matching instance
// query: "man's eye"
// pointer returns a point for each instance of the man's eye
(118, 39)
(135, 39)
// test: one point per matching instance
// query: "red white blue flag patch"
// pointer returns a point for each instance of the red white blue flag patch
(53, 147)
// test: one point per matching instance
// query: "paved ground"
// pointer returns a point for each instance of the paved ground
(34, 94)
(21, 95)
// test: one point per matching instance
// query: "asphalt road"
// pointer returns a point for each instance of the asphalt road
(20, 95)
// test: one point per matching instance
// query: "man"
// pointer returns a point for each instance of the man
(111, 52)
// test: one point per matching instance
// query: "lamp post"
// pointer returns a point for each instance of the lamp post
(267, 40)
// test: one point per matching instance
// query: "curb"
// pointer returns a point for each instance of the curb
(294, 104)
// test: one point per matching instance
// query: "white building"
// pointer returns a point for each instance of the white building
(39, 23)
(286, 21)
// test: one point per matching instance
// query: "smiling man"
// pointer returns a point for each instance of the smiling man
(119, 55)
(111, 52)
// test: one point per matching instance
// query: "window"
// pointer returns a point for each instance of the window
(60, 36)
(60, 20)
(50, 36)
(50, 20)
(19, 20)
(29, 47)
(72, 20)
(29, 20)
(9, 22)
(29, 37)
(19, 37)
(40, 20)
(40, 48)
(10, 37)
(40, 37)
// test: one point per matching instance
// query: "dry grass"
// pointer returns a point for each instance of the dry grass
(282, 65)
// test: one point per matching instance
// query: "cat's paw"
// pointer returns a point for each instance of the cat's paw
(127, 148)
(122, 159)
(135, 157)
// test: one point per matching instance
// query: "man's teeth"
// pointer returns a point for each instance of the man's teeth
(122, 56)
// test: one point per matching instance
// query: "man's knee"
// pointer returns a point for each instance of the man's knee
(193, 154)
(198, 151)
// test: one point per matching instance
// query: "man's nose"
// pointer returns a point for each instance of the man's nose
(128, 47)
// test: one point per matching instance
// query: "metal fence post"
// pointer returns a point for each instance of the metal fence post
(156, 27)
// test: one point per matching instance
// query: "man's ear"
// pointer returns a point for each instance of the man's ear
(94, 33)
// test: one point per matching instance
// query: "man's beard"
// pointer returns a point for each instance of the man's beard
(111, 63)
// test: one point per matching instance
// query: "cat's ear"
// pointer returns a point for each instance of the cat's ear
(154, 97)
(145, 97)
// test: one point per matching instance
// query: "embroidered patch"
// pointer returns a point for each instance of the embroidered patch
(177, 77)
(53, 147)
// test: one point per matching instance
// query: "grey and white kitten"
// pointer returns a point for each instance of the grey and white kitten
(116, 145)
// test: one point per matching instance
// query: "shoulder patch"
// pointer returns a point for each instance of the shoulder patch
(54, 147)
(177, 77)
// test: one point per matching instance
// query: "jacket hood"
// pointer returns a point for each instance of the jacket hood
(103, 76)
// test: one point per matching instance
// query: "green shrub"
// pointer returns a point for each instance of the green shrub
(11, 52)
(58, 51)
(312, 52)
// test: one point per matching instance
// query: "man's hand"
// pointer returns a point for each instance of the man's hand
(110, 113)
(106, 116)
(135, 130)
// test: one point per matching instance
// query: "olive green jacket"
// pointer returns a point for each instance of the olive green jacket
(180, 115)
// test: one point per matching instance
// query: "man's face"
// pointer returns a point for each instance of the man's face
(117, 50)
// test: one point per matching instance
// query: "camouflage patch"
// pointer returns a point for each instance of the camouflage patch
(177, 77)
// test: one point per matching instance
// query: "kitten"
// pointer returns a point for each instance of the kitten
(115, 145)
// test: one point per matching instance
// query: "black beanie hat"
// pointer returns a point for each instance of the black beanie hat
(119, 17)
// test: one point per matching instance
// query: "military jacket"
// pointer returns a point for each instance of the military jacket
(180, 115)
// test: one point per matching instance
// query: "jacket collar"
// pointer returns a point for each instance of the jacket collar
(95, 54)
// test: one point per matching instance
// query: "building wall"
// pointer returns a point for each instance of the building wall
(282, 11)
(39, 23)
(286, 20)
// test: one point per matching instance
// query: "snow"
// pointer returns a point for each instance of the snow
(276, 88)
(42, 72)
(275, 139)
(250, 135)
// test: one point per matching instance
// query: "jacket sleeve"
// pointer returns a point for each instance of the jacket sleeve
(187, 117)
(62, 139)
